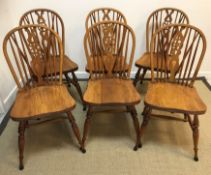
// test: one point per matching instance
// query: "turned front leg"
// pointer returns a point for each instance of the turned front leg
(86, 128)
(147, 113)
(21, 130)
(195, 128)
(133, 113)
(194, 124)
(74, 127)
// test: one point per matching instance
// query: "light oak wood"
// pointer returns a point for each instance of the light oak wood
(40, 93)
(172, 88)
(67, 65)
(110, 65)
(116, 68)
(111, 91)
(183, 51)
(24, 45)
(175, 98)
(100, 15)
(145, 61)
(54, 21)
(41, 101)
(157, 19)
(109, 45)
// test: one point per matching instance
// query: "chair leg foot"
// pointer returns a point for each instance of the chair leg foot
(83, 150)
(135, 148)
(196, 158)
(139, 145)
(21, 167)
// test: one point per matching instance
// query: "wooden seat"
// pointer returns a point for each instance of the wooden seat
(40, 93)
(176, 98)
(41, 101)
(144, 61)
(53, 20)
(173, 91)
(109, 68)
(100, 15)
(111, 92)
(157, 19)
(67, 65)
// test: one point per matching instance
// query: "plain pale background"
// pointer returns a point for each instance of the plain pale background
(74, 12)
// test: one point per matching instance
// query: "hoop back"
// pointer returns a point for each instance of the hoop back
(33, 52)
(46, 17)
(104, 14)
(109, 48)
(179, 50)
(162, 17)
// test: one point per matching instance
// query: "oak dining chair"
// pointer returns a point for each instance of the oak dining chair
(157, 19)
(34, 53)
(112, 46)
(53, 20)
(182, 48)
(103, 14)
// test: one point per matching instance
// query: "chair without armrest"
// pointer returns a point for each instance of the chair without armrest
(40, 93)
(157, 19)
(52, 20)
(103, 14)
(112, 46)
(173, 90)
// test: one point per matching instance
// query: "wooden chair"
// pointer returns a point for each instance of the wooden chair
(174, 91)
(52, 19)
(40, 89)
(111, 45)
(103, 14)
(157, 19)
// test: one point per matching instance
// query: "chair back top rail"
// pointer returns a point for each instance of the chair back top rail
(104, 14)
